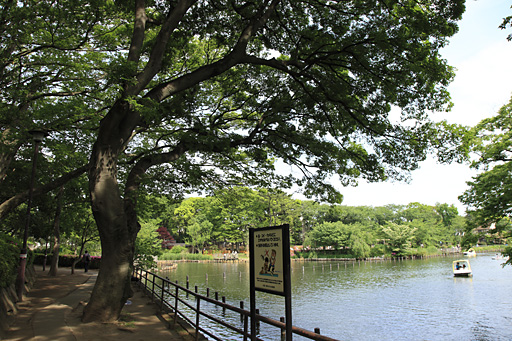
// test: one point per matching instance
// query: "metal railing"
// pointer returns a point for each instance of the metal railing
(173, 298)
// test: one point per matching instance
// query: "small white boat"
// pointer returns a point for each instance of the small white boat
(461, 268)
(498, 256)
(469, 253)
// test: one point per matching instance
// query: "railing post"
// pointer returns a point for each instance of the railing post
(257, 321)
(162, 289)
(243, 314)
(188, 284)
(241, 307)
(246, 326)
(197, 316)
(153, 288)
(176, 305)
(283, 330)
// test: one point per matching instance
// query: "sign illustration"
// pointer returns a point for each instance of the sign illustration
(268, 260)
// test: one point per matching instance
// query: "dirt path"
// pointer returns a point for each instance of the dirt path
(53, 308)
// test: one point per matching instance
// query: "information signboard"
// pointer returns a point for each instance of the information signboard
(268, 260)
(269, 250)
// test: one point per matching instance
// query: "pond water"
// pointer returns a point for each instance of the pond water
(388, 300)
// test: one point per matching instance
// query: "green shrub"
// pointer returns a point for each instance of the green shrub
(171, 256)
(184, 256)
(197, 256)
(179, 249)
(9, 260)
(66, 261)
(378, 250)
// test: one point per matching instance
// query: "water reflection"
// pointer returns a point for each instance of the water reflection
(406, 300)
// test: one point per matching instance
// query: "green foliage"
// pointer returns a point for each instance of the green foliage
(9, 260)
(358, 229)
(489, 196)
(399, 237)
(169, 255)
(67, 260)
(359, 247)
(378, 250)
(147, 245)
(178, 249)
(329, 234)
(420, 251)
(507, 253)
(227, 215)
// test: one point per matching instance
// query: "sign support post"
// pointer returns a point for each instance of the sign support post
(269, 251)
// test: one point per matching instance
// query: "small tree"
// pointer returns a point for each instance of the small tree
(147, 246)
(399, 236)
(167, 240)
(329, 234)
(199, 232)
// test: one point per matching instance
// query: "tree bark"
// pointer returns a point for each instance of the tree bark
(117, 231)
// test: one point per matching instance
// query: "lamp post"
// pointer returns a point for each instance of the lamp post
(37, 136)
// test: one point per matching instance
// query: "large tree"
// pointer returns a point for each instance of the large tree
(205, 94)
(489, 197)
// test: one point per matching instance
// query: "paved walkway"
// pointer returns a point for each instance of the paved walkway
(53, 308)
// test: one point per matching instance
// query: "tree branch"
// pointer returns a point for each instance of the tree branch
(158, 51)
(205, 72)
(10, 204)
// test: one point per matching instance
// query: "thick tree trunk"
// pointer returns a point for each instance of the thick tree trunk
(114, 216)
(112, 287)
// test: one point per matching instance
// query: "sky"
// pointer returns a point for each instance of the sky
(482, 57)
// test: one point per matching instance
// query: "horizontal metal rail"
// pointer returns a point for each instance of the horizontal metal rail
(171, 296)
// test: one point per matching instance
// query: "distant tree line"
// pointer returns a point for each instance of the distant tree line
(225, 218)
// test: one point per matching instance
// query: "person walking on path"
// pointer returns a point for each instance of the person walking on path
(86, 259)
